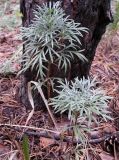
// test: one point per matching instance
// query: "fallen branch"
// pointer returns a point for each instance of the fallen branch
(40, 132)
(67, 139)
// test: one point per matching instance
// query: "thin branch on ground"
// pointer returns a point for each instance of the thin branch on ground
(41, 132)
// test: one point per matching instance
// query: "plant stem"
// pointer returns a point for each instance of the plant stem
(48, 82)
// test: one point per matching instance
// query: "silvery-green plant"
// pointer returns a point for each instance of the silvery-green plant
(115, 25)
(83, 102)
(52, 38)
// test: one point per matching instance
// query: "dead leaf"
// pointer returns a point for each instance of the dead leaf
(45, 142)
(106, 156)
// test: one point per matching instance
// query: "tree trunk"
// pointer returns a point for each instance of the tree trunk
(93, 14)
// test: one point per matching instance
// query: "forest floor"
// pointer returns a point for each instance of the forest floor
(105, 66)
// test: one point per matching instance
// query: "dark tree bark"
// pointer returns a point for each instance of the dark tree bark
(93, 14)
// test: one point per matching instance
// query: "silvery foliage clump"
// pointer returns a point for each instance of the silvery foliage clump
(82, 100)
(51, 38)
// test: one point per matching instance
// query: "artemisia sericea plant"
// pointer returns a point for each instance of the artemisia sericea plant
(51, 38)
(83, 102)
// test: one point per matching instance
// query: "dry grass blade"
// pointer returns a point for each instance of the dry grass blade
(45, 101)
(32, 104)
